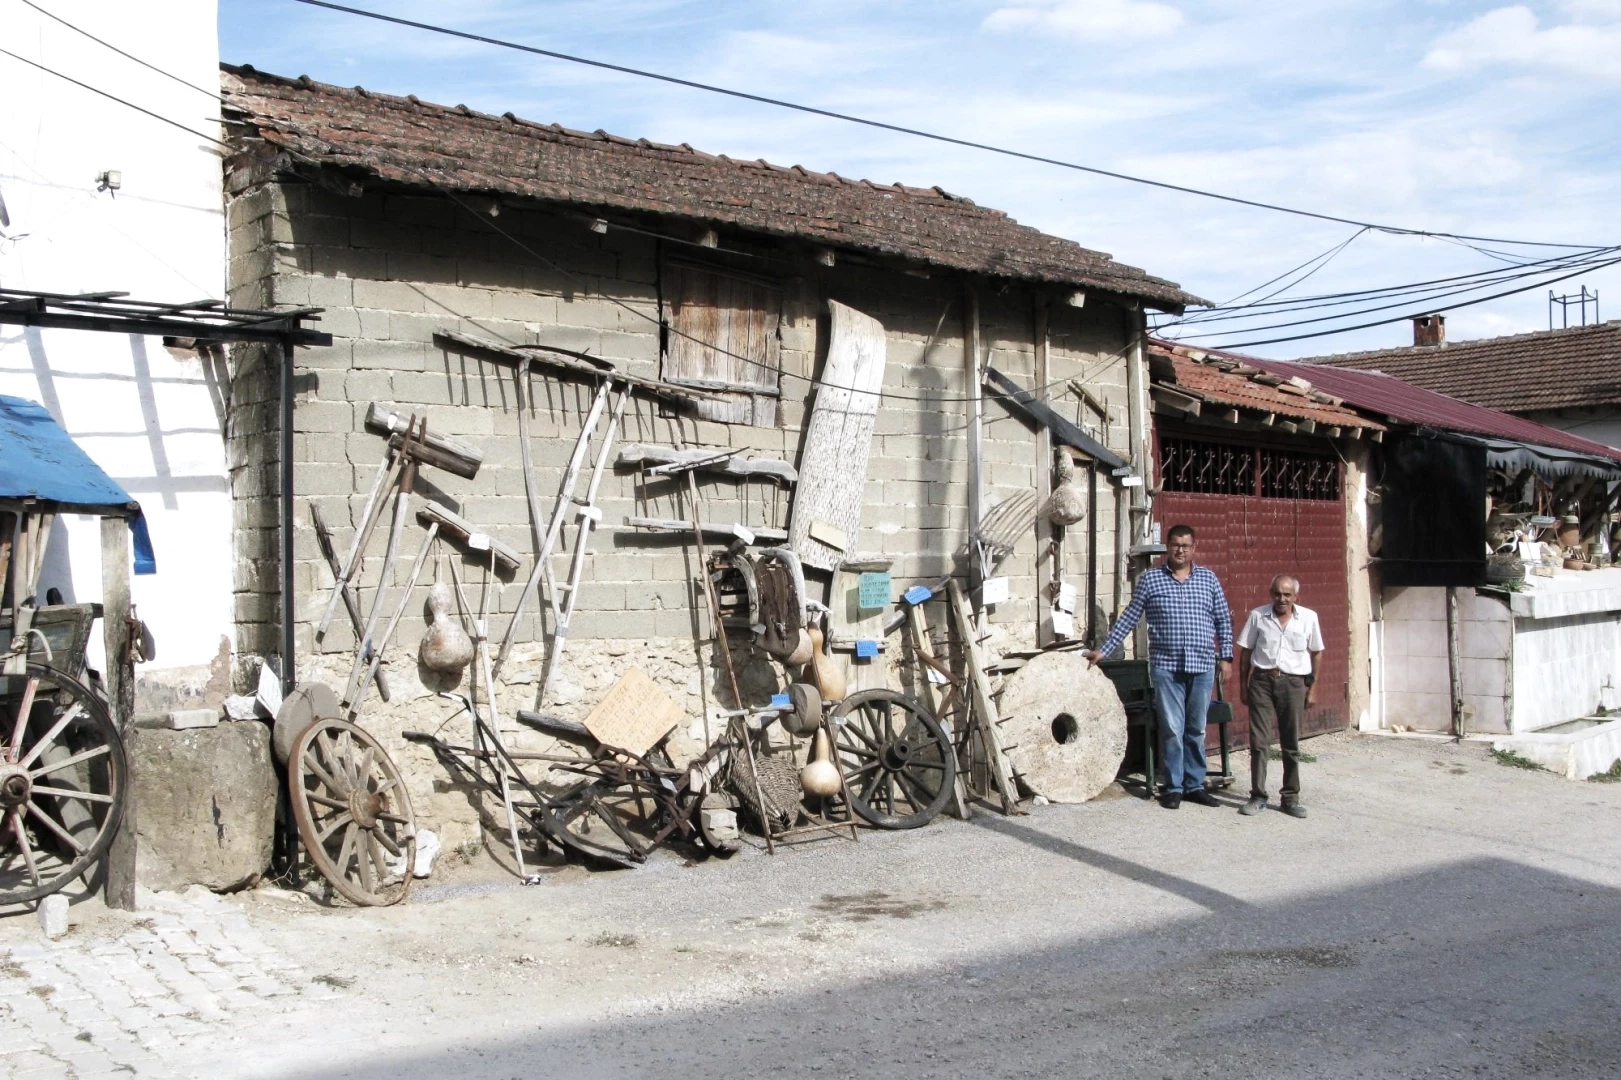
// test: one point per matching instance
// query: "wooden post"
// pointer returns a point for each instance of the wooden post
(1049, 551)
(120, 674)
(984, 711)
(918, 624)
(976, 429)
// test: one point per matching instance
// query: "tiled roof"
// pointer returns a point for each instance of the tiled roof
(409, 142)
(1549, 369)
(1398, 402)
(1220, 380)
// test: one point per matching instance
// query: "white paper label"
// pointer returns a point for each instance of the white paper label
(1067, 596)
(1063, 624)
(995, 591)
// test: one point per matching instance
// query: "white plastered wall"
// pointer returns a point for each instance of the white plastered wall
(152, 420)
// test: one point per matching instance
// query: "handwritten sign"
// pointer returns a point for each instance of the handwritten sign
(875, 589)
(917, 594)
(995, 591)
(634, 715)
(866, 649)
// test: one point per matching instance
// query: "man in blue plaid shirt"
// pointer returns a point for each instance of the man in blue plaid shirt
(1190, 645)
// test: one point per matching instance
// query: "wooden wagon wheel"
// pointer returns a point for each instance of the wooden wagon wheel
(63, 774)
(896, 758)
(353, 813)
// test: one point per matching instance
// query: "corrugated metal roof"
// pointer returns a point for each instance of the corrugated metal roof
(1388, 396)
(1398, 402)
(411, 142)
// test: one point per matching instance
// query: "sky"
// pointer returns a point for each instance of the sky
(1474, 118)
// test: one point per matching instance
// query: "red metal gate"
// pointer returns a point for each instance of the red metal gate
(1260, 510)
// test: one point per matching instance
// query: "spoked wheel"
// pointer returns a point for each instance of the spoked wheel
(63, 774)
(610, 816)
(896, 758)
(354, 816)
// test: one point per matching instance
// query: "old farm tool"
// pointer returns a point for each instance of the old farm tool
(589, 801)
(354, 816)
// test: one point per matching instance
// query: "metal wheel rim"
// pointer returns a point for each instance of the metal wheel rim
(892, 753)
(35, 829)
(330, 762)
(592, 819)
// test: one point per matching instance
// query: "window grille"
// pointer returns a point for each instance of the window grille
(1213, 468)
(1286, 475)
(1206, 468)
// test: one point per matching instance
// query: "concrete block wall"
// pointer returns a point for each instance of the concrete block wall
(391, 270)
(1417, 678)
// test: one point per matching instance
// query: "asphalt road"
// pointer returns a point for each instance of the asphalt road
(1436, 915)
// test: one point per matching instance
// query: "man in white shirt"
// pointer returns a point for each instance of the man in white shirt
(1278, 652)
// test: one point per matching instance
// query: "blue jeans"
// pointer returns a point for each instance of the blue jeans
(1182, 698)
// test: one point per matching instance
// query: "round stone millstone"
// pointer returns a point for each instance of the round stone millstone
(1066, 725)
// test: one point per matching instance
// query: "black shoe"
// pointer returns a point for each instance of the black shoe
(1256, 804)
(1293, 809)
(1171, 800)
(1202, 797)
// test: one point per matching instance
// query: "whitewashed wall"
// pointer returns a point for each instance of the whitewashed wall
(150, 419)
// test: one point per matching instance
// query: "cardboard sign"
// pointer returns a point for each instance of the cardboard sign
(875, 589)
(634, 715)
(996, 590)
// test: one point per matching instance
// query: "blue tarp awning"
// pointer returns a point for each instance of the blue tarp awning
(41, 462)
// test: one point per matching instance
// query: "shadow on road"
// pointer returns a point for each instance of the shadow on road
(1485, 968)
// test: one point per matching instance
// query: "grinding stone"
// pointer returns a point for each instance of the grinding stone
(1059, 693)
(300, 709)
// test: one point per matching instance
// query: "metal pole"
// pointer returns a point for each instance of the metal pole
(288, 614)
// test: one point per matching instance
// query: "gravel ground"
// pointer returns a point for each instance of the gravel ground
(1437, 914)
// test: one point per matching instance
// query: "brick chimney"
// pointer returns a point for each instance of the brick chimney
(1430, 330)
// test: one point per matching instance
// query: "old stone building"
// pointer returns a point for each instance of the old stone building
(404, 221)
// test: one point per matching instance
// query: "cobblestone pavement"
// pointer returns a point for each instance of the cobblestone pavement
(135, 998)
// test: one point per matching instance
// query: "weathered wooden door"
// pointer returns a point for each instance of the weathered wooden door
(725, 340)
(1261, 510)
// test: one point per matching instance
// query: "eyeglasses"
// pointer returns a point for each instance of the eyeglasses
(1181, 547)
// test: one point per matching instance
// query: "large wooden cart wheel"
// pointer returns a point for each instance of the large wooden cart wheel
(896, 758)
(63, 774)
(354, 816)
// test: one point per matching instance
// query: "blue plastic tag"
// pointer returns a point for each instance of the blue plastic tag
(780, 701)
(917, 594)
(866, 649)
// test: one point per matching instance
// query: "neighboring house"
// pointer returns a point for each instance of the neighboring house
(1450, 652)
(404, 219)
(103, 198)
(1568, 379)
(1272, 474)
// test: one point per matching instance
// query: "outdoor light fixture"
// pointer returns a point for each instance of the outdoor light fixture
(109, 180)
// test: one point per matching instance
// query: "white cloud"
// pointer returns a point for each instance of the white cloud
(1087, 20)
(1512, 35)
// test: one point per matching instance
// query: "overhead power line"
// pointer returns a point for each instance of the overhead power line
(114, 97)
(128, 56)
(916, 132)
(1415, 314)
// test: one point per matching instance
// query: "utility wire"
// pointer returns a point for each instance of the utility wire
(120, 52)
(918, 133)
(115, 97)
(1410, 315)
(1435, 295)
(1481, 279)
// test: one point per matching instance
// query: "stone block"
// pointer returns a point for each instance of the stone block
(206, 803)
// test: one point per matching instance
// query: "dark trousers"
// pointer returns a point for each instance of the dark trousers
(1277, 703)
